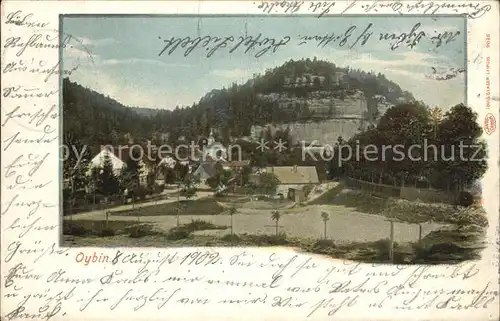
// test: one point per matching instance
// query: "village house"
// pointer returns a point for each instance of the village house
(168, 162)
(205, 171)
(293, 179)
(297, 194)
(98, 161)
(118, 157)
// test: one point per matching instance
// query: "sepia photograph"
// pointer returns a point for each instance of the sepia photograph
(347, 136)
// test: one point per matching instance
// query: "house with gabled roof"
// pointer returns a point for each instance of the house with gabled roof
(205, 171)
(293, 177)
(99, 159)
(118, 155)
(168, 162)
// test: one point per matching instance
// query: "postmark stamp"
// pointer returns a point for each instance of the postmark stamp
(490, 124)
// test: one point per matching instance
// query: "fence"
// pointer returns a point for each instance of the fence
(426, 195)
(377, 189)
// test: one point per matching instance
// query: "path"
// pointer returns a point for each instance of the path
(101, 213)
(345, 225)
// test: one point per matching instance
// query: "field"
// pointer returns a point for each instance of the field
(354, 230)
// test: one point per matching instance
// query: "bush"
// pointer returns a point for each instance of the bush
(140, 230)
(158, 188)
(231, 238)
(266, 239)
(178, 233)
(382, 248)
(413, 212)
(201, 225)
(322, 244)
(75, 229)
(444, 253)
(107, 232)
(405, 253)
(149, 190)
(141, 192)
(450, 246)
(212, 182)
(383, 245)
(465, 199)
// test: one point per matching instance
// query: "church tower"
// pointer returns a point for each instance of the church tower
(211, 138)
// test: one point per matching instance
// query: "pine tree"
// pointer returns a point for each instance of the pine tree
(107, 183)
(130, 174)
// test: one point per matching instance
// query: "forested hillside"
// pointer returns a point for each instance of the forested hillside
(95, 119)
(92, 119)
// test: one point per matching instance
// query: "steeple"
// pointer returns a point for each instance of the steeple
(211, 138)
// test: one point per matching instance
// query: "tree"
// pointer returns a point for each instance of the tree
(152, 163)
(129, 176)
(436, 117)
(107, 183)
(275, 216)
(181, 171)
(188, 187)
(76, 162)
(325, 217)
(268, 182)
(75, 166)
(463, 153)
(317, 83)
(232, 211)
(95, 173)
(169, 175)
(188, 190)
(405, 125)
(221, 179)
(244, 175)
(336, 168)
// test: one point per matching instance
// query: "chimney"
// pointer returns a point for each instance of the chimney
(295, 168)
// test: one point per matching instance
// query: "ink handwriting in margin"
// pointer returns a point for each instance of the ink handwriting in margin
(474, 10)
(263, 44)
(22, 171)
(211, 44)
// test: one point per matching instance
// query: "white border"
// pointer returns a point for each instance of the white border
(53, 260)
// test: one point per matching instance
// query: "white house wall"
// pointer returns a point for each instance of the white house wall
(283, 188)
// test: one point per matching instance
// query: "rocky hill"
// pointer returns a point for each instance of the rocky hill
(315, 97)
(297, 92)
(316, 100)
(317, 133)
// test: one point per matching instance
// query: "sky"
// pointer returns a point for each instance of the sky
(118, 56)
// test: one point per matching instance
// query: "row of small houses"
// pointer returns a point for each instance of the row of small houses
(292, 180)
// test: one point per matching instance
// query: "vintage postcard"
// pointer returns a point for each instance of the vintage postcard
(236, 160)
